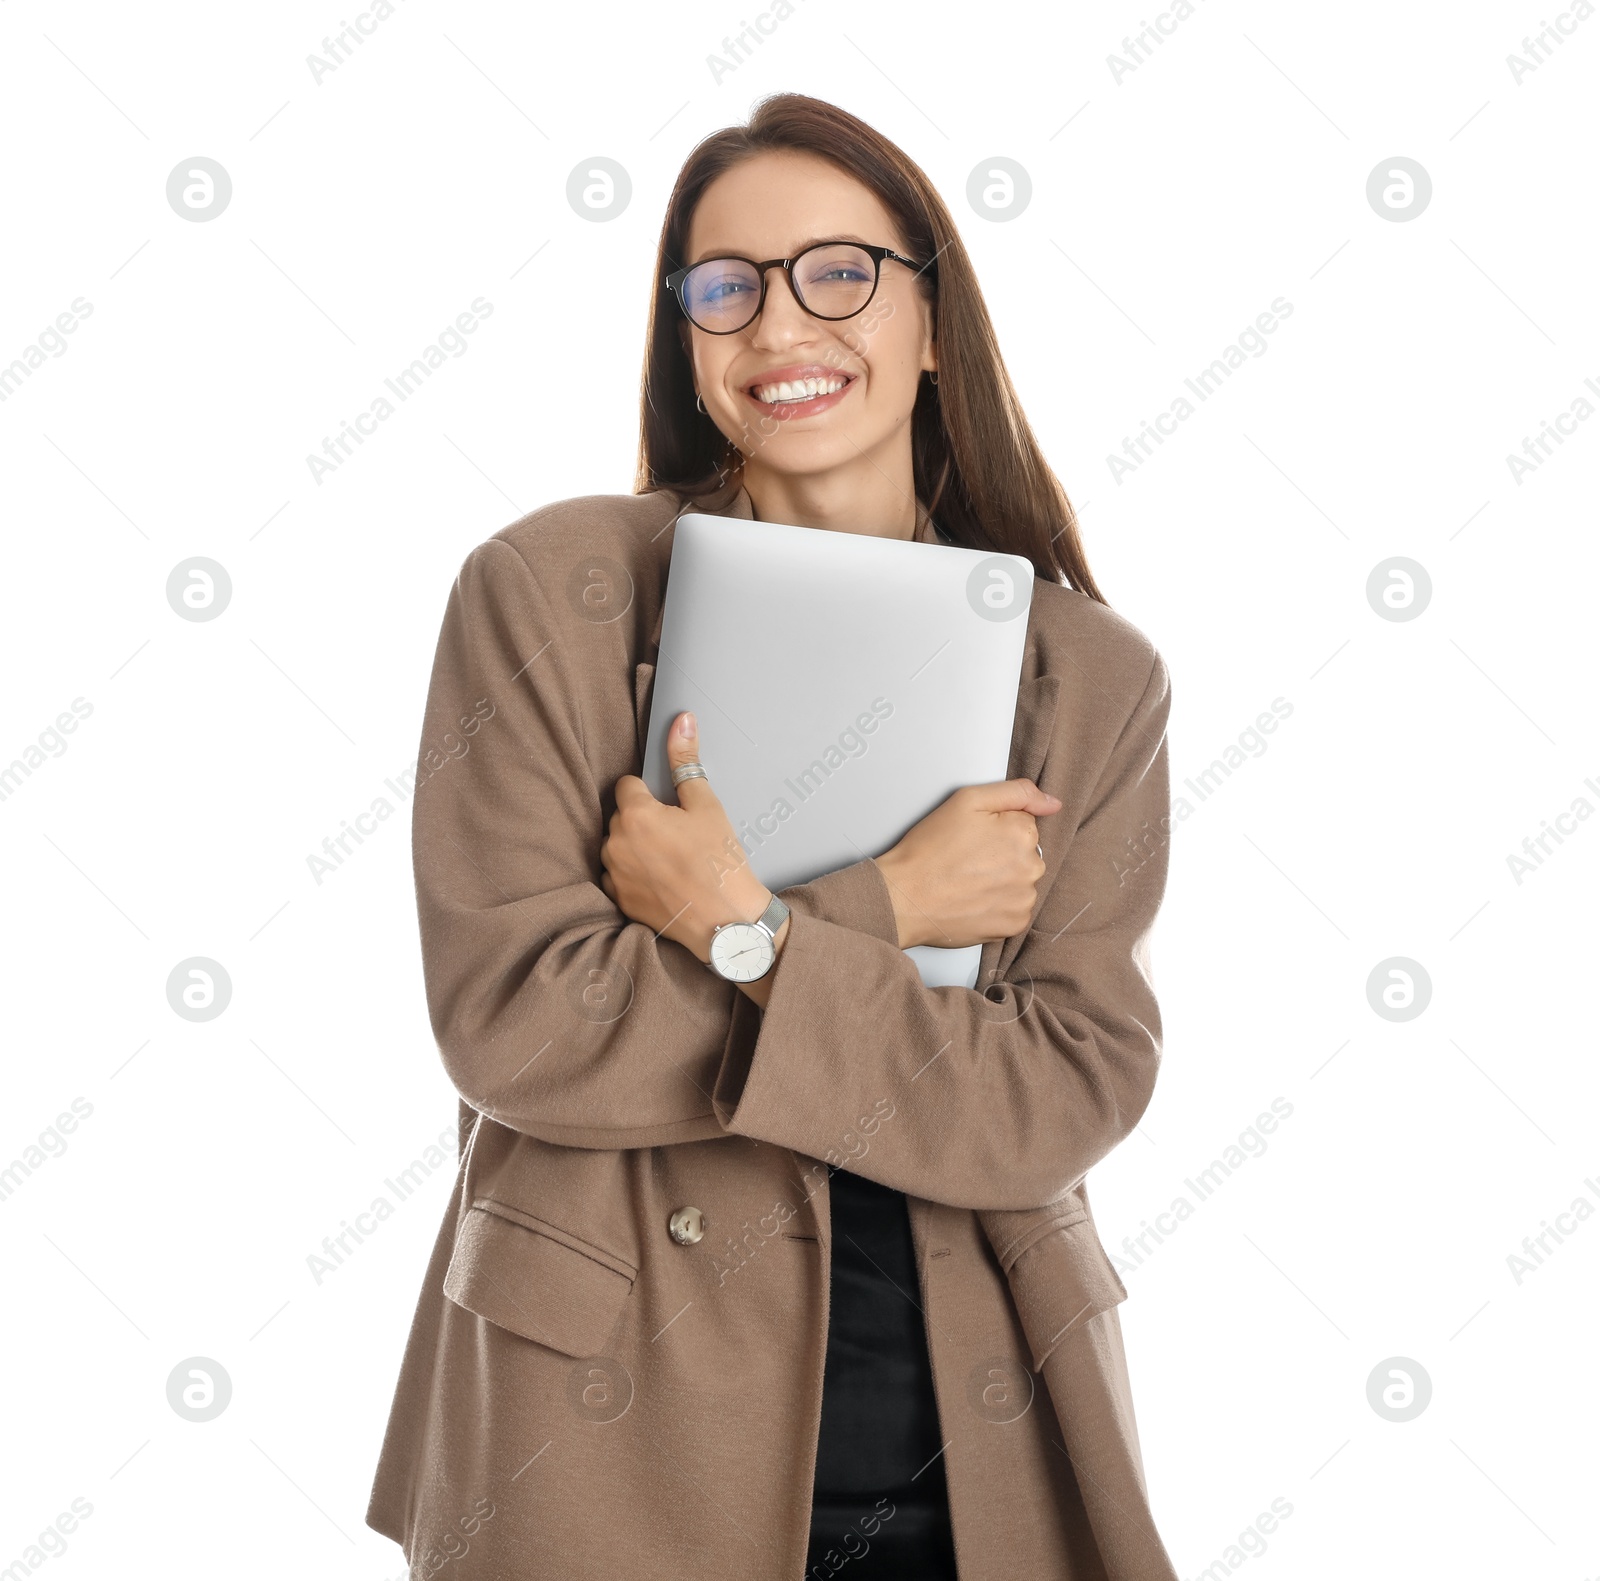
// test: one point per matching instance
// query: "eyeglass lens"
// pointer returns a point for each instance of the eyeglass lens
(832, 281)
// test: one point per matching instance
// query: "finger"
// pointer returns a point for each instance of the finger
(1020, 795)
(1024, 829)
(683, 747)
(630, 789)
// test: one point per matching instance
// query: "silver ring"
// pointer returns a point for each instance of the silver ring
(1040, 850)
(687, 771)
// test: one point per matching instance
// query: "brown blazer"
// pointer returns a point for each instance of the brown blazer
(601, 1382)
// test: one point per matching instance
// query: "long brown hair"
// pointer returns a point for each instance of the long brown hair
(974, 458)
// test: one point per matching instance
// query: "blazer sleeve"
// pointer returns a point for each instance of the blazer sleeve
(1002, 1098)
(554, 1013)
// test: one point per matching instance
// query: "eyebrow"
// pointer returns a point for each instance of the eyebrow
(810, 241)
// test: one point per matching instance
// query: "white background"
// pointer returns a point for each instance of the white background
(1167, 212)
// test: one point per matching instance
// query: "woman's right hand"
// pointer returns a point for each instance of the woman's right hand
(969, 871)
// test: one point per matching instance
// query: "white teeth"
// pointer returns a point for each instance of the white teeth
(798, 389)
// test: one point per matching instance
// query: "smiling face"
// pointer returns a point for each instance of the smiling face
(809, 400)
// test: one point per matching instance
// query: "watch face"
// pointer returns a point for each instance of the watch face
(741, 952)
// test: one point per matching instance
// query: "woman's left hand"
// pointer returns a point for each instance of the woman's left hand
(678, 869)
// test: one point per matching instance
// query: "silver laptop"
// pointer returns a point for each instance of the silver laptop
(844, 686)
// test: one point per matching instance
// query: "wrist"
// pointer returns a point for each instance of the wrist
(760, 990)
(741, 897)
(906, 915)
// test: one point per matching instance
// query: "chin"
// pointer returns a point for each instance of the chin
(796, 458)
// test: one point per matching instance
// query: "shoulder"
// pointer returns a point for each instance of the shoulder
(593, 553)
(1089, 644)
(621, 527)
(592, 568)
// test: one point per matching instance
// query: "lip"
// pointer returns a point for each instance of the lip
(788, 411)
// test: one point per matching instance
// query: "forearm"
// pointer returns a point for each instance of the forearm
(557, 1016)
(996, 1100)
(1002, 1100)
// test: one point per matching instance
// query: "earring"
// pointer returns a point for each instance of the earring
(699, 401)
(933, 377)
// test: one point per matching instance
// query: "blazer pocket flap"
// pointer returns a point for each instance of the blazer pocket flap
(533, 1284)
(644, 676)
(1062, 1280)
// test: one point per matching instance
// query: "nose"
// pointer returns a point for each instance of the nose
(781, 320)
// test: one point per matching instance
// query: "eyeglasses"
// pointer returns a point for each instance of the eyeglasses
(830, 280)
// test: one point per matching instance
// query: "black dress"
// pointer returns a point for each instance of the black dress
(878, 1498)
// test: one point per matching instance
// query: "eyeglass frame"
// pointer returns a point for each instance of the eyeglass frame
(674, 281)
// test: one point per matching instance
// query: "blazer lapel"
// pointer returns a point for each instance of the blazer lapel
(644, 675)
(1037, 699)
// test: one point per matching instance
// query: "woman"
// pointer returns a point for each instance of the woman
(720, 1293)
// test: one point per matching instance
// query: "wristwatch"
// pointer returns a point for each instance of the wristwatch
(745, 951)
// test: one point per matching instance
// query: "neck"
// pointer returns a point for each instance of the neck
(863, 497)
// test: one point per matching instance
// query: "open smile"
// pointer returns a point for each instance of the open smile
(798, 391)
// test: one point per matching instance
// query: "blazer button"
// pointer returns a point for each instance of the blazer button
(687, 1226)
